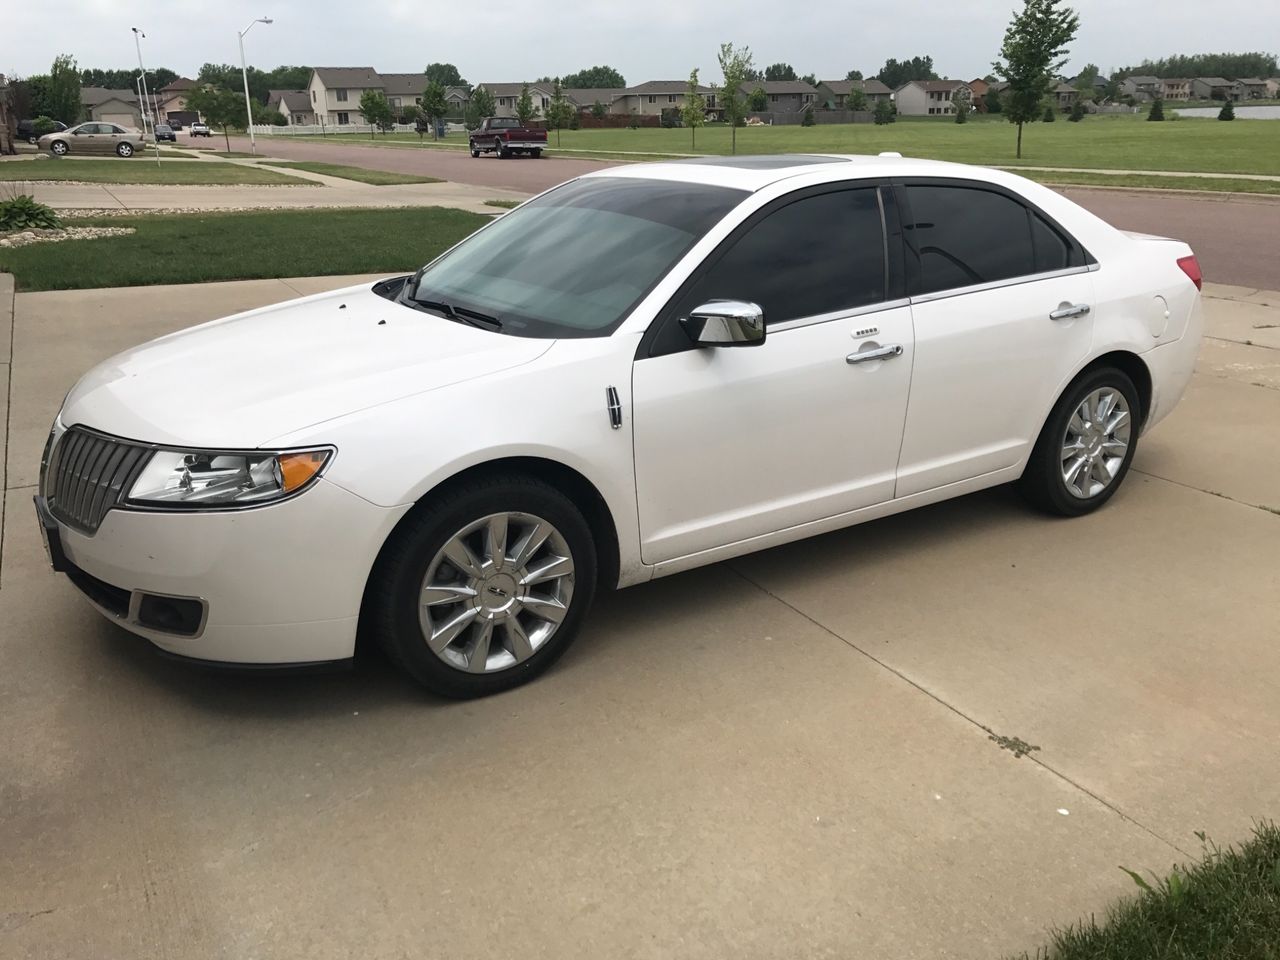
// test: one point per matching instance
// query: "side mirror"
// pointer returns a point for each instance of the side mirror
(725, 323)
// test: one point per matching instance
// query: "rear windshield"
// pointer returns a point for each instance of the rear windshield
(574, 262)
(498, 123)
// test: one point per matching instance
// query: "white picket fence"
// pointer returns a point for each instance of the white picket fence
(328, 129)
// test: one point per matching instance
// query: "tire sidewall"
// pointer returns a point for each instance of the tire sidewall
(60, 148)
(125, 150)
(1048, 450)
(425, 538)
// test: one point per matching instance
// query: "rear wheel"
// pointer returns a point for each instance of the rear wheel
(1086, 446)
(59, 147)
(537, 154)
(124, 149)
(484, 588)
(501, 150)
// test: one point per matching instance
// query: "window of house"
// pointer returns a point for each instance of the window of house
(711, 101)
(344, 118)
(671, 98)
(313, 96)
(545, 102)
(653, 99)
(394, 103)
(964, 236)
(340, 95)
(773, 98)
(820, 254)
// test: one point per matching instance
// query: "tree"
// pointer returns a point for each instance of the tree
(962, 103)
(445, 74)
(1232, 65)
(758, 100)
(592, 78)
(1077, 110)
(734, 65)
(853, 75)
(894, 74)
(856, 100)
(884, 112)
(1034, 49)
(376, 110)
(1228, 111)
(598, 110)
(1157, 110)
(525, 109)
(64, 90)
(559, 111)
(481, 105)
(995, 104)
(1087, 78)
(218, 108)
(1050, 114)
(694, 111)
(810, 79)
(779, 71)
(434, 105)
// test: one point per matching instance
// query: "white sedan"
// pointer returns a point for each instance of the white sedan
(644, 370)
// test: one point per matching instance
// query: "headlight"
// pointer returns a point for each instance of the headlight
(184, 479)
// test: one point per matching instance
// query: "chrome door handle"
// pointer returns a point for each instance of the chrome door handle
(881, 353)
(1066, 311)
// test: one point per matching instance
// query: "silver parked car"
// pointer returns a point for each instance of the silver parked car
(94, 137)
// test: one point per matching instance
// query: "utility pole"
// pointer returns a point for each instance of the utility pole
(138, 36)
(244, 75)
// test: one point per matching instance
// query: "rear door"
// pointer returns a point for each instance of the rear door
(1002, 301)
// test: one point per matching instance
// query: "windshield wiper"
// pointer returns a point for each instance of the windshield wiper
(461, 314)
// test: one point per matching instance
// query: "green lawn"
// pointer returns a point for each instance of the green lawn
(379, 178)
(1123, 142)
(141, 170)
(1225, 907)
(1216, 185)
(241, 246)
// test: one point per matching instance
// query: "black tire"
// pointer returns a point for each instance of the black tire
(501, 150)
(125, 150)
(475, 151)
(395, 585)
(59, 147)
(537, 154)
(1042, 481)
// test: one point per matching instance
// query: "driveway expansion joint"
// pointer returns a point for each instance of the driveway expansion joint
(1006, 743)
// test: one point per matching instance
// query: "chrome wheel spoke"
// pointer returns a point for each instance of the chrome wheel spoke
(495, 541)
(531, 543)
(546, 608)
(553, 569)
(438, 593)
(1115, 448)
(448, 631)
(1095, 442)
(1100, 472)
(460, 555)
(1074, 471)
(1073, 449)
(521, 648)
(1120, 420)
(479, 655)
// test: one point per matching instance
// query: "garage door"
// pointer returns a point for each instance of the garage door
(124, 119)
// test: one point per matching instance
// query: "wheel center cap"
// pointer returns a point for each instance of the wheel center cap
(496, 593)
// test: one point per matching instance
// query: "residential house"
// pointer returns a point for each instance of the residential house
(294, 105)
(1215, 88)
(1175, 89)
(506, 95)
(171, 101)
(1141, 88)
(783, 96)
(403, 90)
(979, 86)
(1253, 89)
(1064, 95)
(584, 99)
(1099, 85)
(109, 106)
(457, 99)
(1273, 87)
(834, 94)
(653, 96)
(926, 98)
(335, 93)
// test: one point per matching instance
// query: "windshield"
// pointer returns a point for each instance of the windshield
(574, 262)
(498, 123)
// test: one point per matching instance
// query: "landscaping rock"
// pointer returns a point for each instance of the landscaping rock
(28, 237)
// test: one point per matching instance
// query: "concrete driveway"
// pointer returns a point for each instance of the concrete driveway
(800, 753)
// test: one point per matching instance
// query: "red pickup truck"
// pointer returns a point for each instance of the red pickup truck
(505, 137)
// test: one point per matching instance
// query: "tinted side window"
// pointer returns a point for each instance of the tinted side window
(966, 236)
(819, 254)
(1053, 251)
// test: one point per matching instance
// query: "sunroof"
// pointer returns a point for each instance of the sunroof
(765, 162)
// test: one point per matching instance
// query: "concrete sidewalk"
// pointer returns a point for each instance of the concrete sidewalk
(796, 753)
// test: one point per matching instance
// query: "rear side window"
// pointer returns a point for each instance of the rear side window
(820, 254)
(965, 236)
(1053, 251)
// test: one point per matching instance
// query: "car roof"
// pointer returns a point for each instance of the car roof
(755, 172)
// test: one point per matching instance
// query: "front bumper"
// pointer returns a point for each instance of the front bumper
(275, 585)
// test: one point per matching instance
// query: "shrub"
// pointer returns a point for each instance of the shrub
(962, 114)
(1077, 111)
(1050, 114)
(1157, 110)
(1228, 111)
(808, 120)
(42, 125)
(20, 211)
(884, 112)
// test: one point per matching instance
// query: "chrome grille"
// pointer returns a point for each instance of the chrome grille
(88, 474)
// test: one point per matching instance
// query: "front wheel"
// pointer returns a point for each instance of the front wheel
(59, 148)
(125, 150)
(475, 151)
(1086, 446)
(484, 587)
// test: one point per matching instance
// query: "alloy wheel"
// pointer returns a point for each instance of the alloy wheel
(1096, 442)
(496, 592)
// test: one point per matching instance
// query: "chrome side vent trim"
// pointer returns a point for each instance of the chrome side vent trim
(614, 405)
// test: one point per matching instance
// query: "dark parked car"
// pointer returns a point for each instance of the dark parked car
(27, 130)
(165, 132)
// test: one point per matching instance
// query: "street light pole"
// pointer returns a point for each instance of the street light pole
(138, 36)
(244, 75)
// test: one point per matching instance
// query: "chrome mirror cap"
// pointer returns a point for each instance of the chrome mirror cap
(725, 323)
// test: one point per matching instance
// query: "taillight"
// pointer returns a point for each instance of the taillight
(1191, 267)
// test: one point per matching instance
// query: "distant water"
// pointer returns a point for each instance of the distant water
(1242, 112)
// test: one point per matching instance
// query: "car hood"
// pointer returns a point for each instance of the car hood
(247, 379)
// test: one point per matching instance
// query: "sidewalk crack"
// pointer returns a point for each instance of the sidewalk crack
(986, 731)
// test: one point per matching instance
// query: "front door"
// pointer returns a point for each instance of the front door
(737, 442)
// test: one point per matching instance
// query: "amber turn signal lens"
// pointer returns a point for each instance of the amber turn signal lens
(297, 469)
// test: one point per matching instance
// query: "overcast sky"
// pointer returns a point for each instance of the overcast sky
(512, 40)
